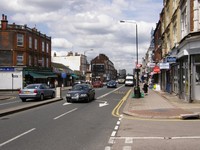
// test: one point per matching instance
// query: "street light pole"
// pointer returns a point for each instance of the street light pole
(137, 87)
(85, 60)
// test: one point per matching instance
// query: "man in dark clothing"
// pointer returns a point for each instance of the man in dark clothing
(145, 88)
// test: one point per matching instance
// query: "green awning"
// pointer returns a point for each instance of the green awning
(42, 75)
(75, 76)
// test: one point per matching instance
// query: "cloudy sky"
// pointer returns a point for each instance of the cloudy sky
(82, 25)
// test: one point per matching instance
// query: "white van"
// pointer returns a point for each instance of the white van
(129, 80)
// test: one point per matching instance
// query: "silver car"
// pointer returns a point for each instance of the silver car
(36, 91)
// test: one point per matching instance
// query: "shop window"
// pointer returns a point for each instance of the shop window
(197, 74)
(197, 58)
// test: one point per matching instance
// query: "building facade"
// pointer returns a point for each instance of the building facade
(103, 69)
(179, 47)
(25, 56)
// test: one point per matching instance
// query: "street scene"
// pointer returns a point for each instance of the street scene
(100, 75)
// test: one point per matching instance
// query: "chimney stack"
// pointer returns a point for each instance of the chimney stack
(4, 22)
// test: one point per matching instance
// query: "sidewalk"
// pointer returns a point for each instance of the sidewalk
(160, 105)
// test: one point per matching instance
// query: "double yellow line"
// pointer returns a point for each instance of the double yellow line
(115, 111)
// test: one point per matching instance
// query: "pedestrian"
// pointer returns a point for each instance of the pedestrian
(145, 88)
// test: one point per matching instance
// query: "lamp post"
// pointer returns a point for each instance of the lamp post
(137, 87)
(85, 61)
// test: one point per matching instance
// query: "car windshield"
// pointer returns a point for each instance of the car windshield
(80, 87)
(33, 86)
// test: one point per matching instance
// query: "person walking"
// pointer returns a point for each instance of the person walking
(145, 88)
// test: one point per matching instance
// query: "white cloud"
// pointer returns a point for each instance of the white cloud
(79, 25)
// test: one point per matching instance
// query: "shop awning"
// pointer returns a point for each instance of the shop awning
(75, 76)
(42, 75)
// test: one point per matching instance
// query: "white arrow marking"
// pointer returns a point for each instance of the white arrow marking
(66, 103)
(103, 104)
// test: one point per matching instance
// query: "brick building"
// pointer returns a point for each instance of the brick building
(103, 69)
(25, 56)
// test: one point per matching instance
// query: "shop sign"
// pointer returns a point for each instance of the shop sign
(7, 69)
(64, 75)
(171, 59)
(164, 65)
(151, 65)
(156, 69)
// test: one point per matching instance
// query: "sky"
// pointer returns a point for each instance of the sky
(90, 26)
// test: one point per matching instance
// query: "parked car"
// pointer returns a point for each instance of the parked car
(97, 84)
(112, 84)
(81, 92)
(36, 91)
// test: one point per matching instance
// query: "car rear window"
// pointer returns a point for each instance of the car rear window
(32, 86)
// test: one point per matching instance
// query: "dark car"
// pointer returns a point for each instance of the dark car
(36, 91)
(112, 84)
(81, 92)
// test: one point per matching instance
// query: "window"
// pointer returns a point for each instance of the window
(183, 23)
(30, 42)
(47, 48)
(42, 61)
(36, 44)
(20, 59)
(20, 39)
(197, 74)
(47, 62)
(175, 33)
(30, 60)
(35, 61)
(43, 46)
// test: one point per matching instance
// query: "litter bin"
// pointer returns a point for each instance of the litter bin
(137, 92)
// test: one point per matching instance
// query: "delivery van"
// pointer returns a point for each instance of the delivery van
(129, 81)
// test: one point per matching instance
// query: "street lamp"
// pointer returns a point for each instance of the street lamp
(85, 60)
(137, 87)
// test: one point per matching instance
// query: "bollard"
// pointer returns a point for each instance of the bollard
(58, 92)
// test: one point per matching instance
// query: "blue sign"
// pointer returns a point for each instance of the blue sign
(171, 59)
(7, 69)
(64, 75)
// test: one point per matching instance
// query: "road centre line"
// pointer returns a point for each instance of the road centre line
(109, 92)
(65, 113)
(17, 137)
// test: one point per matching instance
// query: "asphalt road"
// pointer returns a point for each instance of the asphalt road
(93, 126)
(62, 125)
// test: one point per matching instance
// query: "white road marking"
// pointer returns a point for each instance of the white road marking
(103, 104)
(118, 122)
(66, 104)
(107, 148)
(17, 137)
(109, 92)
(113, 133)
(65, 113)
(116, 127)
(128, 140)
(127, 148)
(9, 103)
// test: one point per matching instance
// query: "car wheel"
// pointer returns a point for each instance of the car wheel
(41, 97)
(68, 100)
(93, 98)
(23, 99)
(88, 99)
(53, 95)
